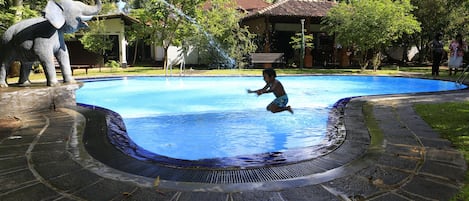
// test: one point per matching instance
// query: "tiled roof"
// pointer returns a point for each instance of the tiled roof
(303, 8)
(243, 5)
(251, 5)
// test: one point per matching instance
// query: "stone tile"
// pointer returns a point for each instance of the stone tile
(106, 189)
(384, 177)
(75, 181)
(13, 151)
(53, 169)
(64, 199)
(436, 143)
(257, 195)
(37, 191)
(55, 136)
(343, 156)
(151, 194)
(411, 196)
(207, 196)
(308, 193)
(18, 138)
(454, 174)
(397, 161)
(16, 179)
(43, 157)
(451, 157)
(399, 136)
(404, 151)
(430, 188)
(14, 163)
(352, 186)
(389, 197)
(46, 147)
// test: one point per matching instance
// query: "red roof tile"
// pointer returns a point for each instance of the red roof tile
(251, 5)
(244, 5)
(302, 8)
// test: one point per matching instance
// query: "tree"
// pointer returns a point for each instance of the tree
(12, 11)
(433, 16)
(370, 25)
(297, 43)
(164, 22)
(95, 40)
(458, 17)
(220, 37)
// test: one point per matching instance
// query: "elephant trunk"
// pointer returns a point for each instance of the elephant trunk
(92, 10)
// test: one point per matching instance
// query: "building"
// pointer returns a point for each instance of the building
(114, 27)
(277, 23)
(274, 25)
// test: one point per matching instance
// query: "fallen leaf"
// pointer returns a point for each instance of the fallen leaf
(157, 181)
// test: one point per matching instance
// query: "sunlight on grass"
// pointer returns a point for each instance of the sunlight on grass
(159, 71)
(451, 120)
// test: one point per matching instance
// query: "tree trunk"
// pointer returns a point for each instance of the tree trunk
(135, 53)
(420, 48)
(17, 2)
(364, 61)
(19, 11)
(165, 61)
(376, 60)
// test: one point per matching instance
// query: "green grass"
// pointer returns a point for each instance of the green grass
(373, 127)
(451, 120)
(158, 71)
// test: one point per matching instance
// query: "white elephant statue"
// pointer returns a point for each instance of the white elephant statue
(42, 38)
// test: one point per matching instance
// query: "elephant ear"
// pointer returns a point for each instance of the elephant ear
(54, 13)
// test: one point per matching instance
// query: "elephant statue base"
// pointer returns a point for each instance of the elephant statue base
(18, 101)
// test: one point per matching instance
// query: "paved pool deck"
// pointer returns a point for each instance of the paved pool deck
(404, 159)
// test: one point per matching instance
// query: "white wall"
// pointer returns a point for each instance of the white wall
(174, 55)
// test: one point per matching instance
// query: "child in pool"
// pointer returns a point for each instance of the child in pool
(279, 104)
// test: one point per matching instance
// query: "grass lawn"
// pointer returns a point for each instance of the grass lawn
(153, 71)
(451, 120)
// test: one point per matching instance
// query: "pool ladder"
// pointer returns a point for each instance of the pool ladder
(462, 76)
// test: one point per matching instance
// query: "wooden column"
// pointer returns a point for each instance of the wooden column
(267, 32)
(308, 62)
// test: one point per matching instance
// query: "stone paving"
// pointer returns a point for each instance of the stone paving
(404, 159)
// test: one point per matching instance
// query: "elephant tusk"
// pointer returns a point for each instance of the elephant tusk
(86, 17)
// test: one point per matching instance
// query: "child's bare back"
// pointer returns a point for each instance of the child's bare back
(279, 104)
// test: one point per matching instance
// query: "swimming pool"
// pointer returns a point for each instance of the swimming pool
(197, 118)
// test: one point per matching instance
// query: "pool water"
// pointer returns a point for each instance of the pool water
(193, 118)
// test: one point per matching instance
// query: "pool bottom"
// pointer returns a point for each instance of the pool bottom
(117, 136)
(100, 123)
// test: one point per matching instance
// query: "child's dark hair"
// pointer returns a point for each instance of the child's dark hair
(270, 72)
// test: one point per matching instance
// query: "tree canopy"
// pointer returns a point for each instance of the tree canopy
(370, 25)
(212, 28)
(164, 22)
(220, 36)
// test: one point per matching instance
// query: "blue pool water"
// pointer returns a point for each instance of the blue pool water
(195, 118)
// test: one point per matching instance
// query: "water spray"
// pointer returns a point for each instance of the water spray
(231, 61)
